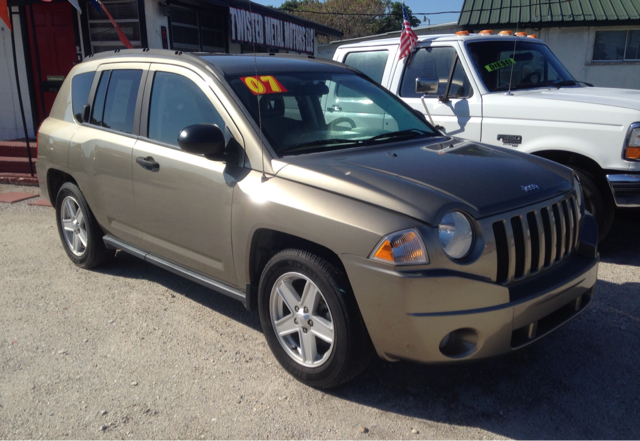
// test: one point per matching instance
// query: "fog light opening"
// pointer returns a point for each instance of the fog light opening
(459, 343)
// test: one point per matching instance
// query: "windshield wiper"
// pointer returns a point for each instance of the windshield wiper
(320, 142)
(562, 83)
(410, 133)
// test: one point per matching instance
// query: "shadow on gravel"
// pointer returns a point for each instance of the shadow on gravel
(125, 265)
(580, 382)
(622, 245)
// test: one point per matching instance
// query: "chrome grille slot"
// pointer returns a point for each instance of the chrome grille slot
(518, 242)
(559, 224)
(546, 222)
(535, 240)
(502, 246)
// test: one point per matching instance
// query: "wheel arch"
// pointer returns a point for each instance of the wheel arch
(55, 180)
(266, 243)
(577, 160)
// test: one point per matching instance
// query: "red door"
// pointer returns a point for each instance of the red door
(56, 48)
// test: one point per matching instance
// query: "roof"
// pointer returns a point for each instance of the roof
(544, 13)
(438, 37)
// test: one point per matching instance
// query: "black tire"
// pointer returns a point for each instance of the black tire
(351, 349)
(84, 244)
(598, 201)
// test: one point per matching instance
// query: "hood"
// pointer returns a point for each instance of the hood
(426, 179)
(604, 96)
(590, 105)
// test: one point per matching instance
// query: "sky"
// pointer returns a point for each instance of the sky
(415, 6)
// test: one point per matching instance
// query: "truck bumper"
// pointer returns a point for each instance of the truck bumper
(625, 189)
(409, 315)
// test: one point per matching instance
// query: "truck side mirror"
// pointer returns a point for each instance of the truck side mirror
(427, 85)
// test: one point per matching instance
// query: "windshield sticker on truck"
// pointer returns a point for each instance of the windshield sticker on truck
(500, 64)
(264, 84)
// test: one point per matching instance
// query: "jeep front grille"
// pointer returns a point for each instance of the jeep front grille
(535, 240)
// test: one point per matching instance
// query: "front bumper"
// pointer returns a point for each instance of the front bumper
(625, 189)
(437, 316)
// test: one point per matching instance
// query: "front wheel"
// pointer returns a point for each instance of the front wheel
(311, 320)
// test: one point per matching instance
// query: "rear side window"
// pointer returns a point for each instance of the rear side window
(371, 64)
(176, 103)
(80, 88)
(120, 104)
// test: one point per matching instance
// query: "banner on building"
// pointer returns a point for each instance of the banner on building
(4, 13)
(252, 27)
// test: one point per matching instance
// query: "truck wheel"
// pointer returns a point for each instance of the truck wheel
(311, 320)
(80, 234)
(597, 202)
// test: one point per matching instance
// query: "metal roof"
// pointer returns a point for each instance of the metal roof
(477, 13)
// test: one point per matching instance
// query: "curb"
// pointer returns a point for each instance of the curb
(18, 179)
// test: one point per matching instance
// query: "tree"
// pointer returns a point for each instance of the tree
(394, 19)
(335, 14)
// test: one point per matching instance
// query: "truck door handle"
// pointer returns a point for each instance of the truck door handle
(334, 108)
(148, 163)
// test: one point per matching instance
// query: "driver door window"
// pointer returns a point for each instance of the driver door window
(436, 62)
(176, 103)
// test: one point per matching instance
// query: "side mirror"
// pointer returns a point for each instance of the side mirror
(86, 113)
(203, 139)
(427, 85)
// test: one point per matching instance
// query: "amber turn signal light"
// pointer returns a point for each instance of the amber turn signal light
(632, 153)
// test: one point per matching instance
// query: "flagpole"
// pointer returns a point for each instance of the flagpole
(15, 65)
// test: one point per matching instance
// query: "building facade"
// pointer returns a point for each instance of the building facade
(51, 37)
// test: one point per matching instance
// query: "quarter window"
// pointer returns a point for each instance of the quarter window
(436, 62)
(176, 103)
(617, 46)
(80, 88)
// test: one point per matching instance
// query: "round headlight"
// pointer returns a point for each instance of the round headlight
(456, 235)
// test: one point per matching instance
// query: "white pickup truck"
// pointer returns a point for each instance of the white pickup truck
(510, 91)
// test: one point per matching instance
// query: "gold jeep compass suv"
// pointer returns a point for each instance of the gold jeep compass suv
(373, 233)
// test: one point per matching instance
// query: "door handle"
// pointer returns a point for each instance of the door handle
(334, 108)
(148, 163)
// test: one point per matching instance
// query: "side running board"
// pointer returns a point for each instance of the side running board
(114, 244)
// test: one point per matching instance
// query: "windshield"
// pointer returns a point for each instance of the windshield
(533, 65)
(307, 112)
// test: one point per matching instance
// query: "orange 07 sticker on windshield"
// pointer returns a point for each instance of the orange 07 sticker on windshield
(263, 84)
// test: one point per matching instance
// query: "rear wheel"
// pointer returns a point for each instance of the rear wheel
(311, 320)
(80, 234)
(598, 202)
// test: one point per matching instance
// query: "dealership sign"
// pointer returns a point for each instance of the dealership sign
(251, 27)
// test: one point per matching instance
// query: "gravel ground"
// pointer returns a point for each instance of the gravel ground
(132, 351)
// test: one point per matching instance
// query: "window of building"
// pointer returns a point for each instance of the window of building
(194, 30)
(176, 103)
(103, 34)
(617, 46)
(80, 88)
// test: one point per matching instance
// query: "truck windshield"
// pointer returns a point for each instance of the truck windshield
(308, 112)
(530, 65)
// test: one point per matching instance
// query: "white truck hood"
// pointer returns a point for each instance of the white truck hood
(598, 106)
(592, 95)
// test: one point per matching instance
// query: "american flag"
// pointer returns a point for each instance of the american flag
(408, 38)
